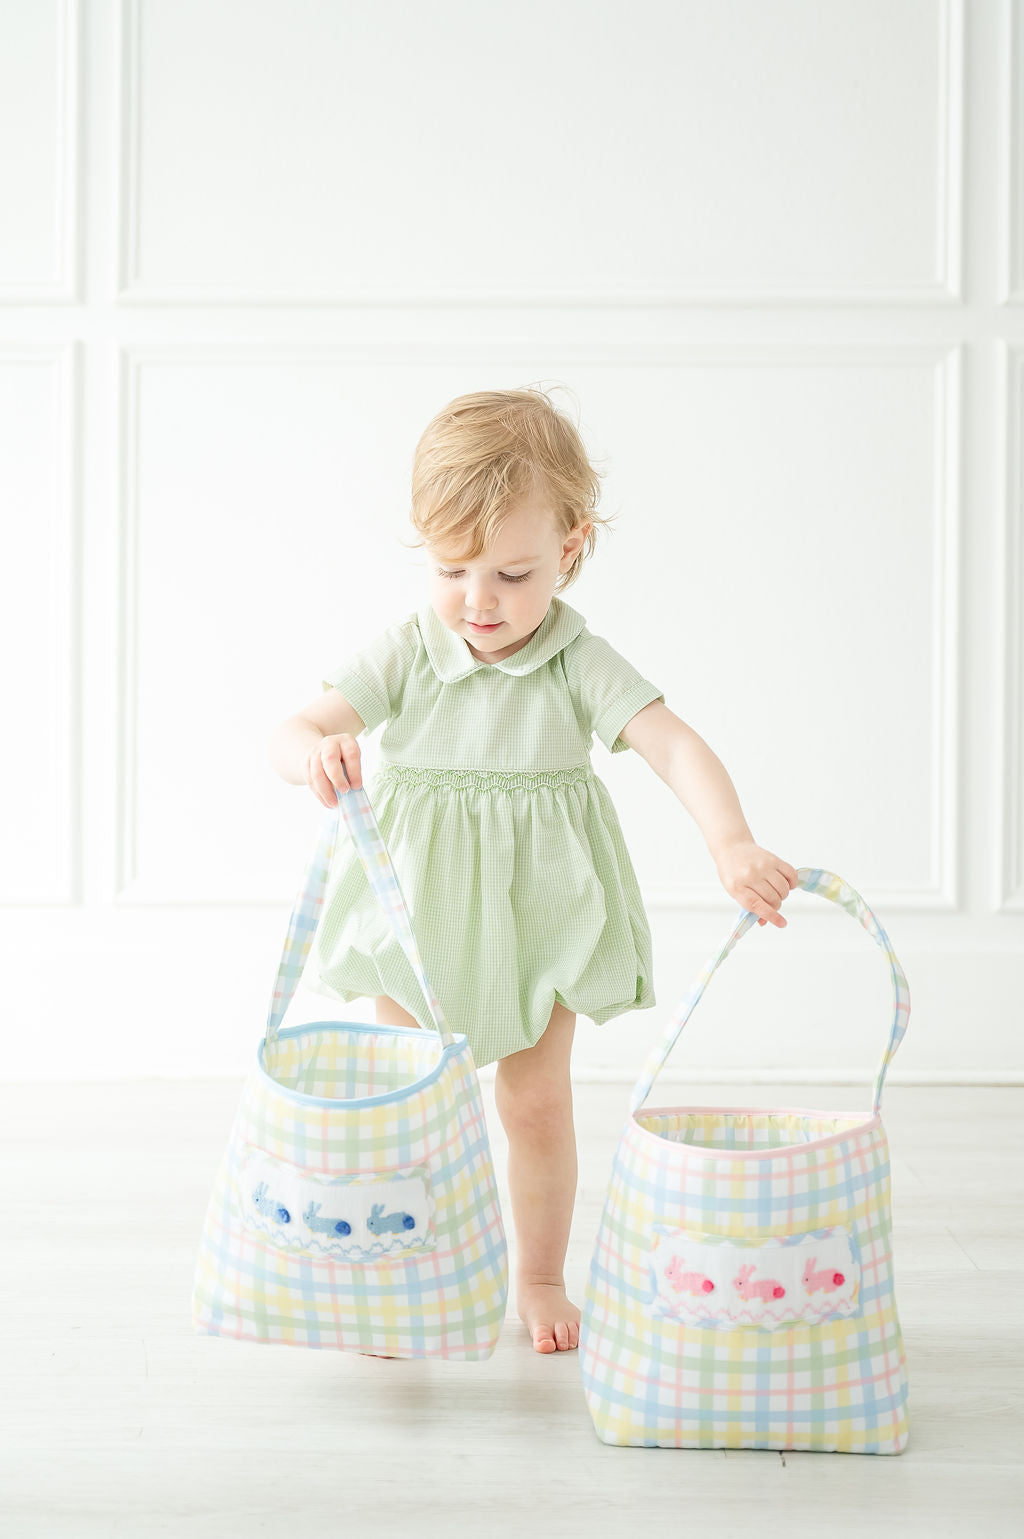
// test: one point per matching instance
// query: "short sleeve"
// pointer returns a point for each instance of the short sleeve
(607, 691)
(373, 679)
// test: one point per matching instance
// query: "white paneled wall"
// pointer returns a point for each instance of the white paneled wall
(773, 250)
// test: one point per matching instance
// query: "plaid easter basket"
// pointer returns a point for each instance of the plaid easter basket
(355, 1206)
(740, 1292)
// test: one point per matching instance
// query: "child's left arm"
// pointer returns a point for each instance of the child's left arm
(752, 875)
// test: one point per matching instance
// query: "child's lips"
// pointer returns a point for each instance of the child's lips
(493, 627)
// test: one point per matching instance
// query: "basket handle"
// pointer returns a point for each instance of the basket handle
(827, 885)
(354, 806)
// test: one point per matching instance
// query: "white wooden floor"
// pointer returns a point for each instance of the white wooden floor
(117, 1418)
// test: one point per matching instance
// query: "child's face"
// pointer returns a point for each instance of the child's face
(510, 586)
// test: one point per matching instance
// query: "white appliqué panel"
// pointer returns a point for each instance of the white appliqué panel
(705, 1280)
(367, 1216)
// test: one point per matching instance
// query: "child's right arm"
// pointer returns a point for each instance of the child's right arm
(317, 747)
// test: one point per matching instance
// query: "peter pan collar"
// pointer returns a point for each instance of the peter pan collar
(452, 660)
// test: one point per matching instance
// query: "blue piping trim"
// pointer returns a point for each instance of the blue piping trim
(340, 1103)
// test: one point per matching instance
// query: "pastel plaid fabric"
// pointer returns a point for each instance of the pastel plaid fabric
(355, 1206)
(741, 1290)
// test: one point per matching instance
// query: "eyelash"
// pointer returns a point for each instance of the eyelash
(502, 575)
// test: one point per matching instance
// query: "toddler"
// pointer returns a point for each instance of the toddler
(507, 845)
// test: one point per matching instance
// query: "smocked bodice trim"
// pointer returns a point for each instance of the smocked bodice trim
(481, 779)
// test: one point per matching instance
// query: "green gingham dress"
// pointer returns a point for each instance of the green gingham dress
(506, 844)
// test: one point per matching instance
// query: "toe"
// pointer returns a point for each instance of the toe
(543, 1340)
(561, 1335)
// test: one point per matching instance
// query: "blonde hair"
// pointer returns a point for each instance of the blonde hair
(484, 451)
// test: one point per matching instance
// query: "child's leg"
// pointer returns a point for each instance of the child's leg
(533, 1096)
(391, 1014)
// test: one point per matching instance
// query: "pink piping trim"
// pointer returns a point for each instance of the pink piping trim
(704, 1151)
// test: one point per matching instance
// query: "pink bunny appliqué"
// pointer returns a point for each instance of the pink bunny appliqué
(766, 1289)
(827, 1280)
(687, 1282)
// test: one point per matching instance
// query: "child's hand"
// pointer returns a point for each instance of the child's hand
(756, 878)
(333, 762)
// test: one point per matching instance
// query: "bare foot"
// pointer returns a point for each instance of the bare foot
(553, 1322)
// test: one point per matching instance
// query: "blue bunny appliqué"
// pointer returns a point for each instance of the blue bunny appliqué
(394, 1223)
(325, 1225)
(356, 1216)
(270, 1206)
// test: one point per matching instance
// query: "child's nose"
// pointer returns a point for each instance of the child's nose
(480, 597)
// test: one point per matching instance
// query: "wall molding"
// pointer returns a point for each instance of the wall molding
(1008, 607)
(65, 750)
(1012, 96)
(940, 895)
(944, 289)
(63, 287)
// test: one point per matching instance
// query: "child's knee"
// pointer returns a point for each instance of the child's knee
(532, 1099)
(546, 1119)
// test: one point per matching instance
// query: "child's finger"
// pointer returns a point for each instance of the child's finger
(335, 776)
(326, 775)
(771, 901)
(315, 777)
(351, 766)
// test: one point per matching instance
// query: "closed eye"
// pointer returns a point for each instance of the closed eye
(505, 576)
